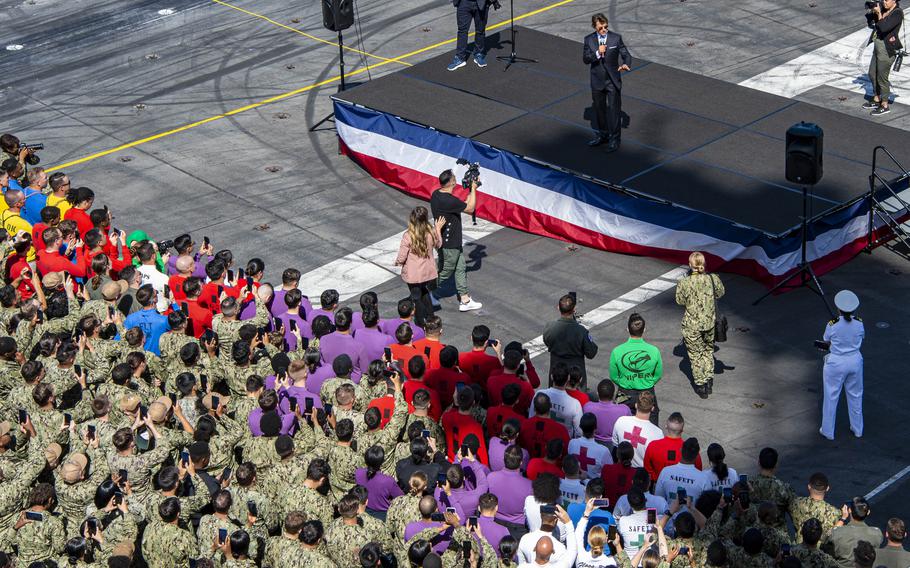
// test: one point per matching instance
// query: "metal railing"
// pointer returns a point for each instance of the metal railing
(887, 207)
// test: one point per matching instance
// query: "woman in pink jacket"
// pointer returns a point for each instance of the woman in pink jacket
(417, 260)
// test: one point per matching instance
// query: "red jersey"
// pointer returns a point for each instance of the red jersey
(37, 240)
(661, 453)
(175, 283)
(457, 427)
(403, 354)
(431, 349)
(498, 381)
(386, 405)
(410, 387)
(48, 262)
(199, 320)
(80, 216)
(578, 395)
(617, 480)
(15, 264)
(537, 431)
(479, 365)
(443, 381)
(539, 465)
(497, 416)
(210, 297)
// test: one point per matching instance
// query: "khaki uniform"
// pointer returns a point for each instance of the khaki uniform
(166, 546)
(805, 508)
(695, 293)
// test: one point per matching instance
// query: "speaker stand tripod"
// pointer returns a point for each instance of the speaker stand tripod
(331, 116)
(804, 271)
(512, 57)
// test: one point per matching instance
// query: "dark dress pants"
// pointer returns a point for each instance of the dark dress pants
(420, 295)
(468, 11)
(607, 110)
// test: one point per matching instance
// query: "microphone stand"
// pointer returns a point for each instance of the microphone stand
(512, 57)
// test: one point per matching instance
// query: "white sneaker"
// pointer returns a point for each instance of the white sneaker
(471, 304)
(434, 301)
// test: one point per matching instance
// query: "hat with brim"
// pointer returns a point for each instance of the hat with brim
(52, 454)
(114, 289)
(73, 467)
(52, 280)
(5, 428)
(158, 410)
(222, 400)
(129, 403)
(846, 301)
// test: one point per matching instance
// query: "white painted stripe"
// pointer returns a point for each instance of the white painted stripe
(843, 64)
(616, 307)
(887, 483)
(581, 214)
(372, 265)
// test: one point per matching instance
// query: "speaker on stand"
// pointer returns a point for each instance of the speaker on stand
(337, 16)
(803, 165)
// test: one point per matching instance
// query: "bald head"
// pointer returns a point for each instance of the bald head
(265, 292)
(185, 264)
(12, 198)
(544, 549)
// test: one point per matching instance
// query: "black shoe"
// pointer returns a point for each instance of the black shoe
(701, 391)
(870, 104)
(709, 387)
(596, 141)
(612, 147)
(881, 110)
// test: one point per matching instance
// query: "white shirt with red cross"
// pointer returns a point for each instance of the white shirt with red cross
(637, 432)
(591, 455)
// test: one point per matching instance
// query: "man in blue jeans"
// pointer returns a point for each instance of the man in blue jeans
(468, 11)
(451, 254)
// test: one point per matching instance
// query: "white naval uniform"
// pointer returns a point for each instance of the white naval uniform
(843, 370)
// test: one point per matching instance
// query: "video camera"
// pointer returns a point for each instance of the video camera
(470, 176)
(165, 245)
(31, 159)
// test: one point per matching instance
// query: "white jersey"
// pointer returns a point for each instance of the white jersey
(591, 455)
(718, 485)
(637, 432)
(634, 529)
(622, 507)
(572, 491)
(684, 475)
(564, 408)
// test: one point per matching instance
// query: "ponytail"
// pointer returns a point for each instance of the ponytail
(848, 316)
(717, 455)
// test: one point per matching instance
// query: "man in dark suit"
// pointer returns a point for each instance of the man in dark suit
(608, 57)
(468, 11)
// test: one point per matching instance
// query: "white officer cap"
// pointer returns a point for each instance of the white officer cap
(846, 301)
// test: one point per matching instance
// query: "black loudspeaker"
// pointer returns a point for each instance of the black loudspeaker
(804, 153)
(337, 15)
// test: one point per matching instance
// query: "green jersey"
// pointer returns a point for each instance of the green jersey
(635, 364)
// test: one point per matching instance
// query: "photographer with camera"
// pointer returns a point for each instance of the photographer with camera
(885, 18)
(468, 11)
(11, 147)
(446, 206)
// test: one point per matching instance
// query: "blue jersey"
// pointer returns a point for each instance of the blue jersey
(152, 324)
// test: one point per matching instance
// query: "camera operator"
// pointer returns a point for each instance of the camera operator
(885, 18)
(467, 11)
(10, 147)
(445, 205)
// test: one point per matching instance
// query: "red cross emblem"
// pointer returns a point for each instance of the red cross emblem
(584, 460)
(635, 438)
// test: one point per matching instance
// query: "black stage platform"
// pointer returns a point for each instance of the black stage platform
(695, 141)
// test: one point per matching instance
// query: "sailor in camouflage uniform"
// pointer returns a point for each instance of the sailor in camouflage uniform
(698, 292)
(815, 506)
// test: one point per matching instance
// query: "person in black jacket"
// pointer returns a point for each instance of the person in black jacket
(886, 19)
(568, 341)
(608, 57)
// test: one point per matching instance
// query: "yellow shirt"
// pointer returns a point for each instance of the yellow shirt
(13, 223)
(60, 203)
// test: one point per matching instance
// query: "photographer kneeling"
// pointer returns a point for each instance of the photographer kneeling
(885, 18)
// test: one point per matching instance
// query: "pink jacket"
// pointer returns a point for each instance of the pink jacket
(414, 269)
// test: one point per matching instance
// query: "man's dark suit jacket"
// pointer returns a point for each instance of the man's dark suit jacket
(608, 66)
